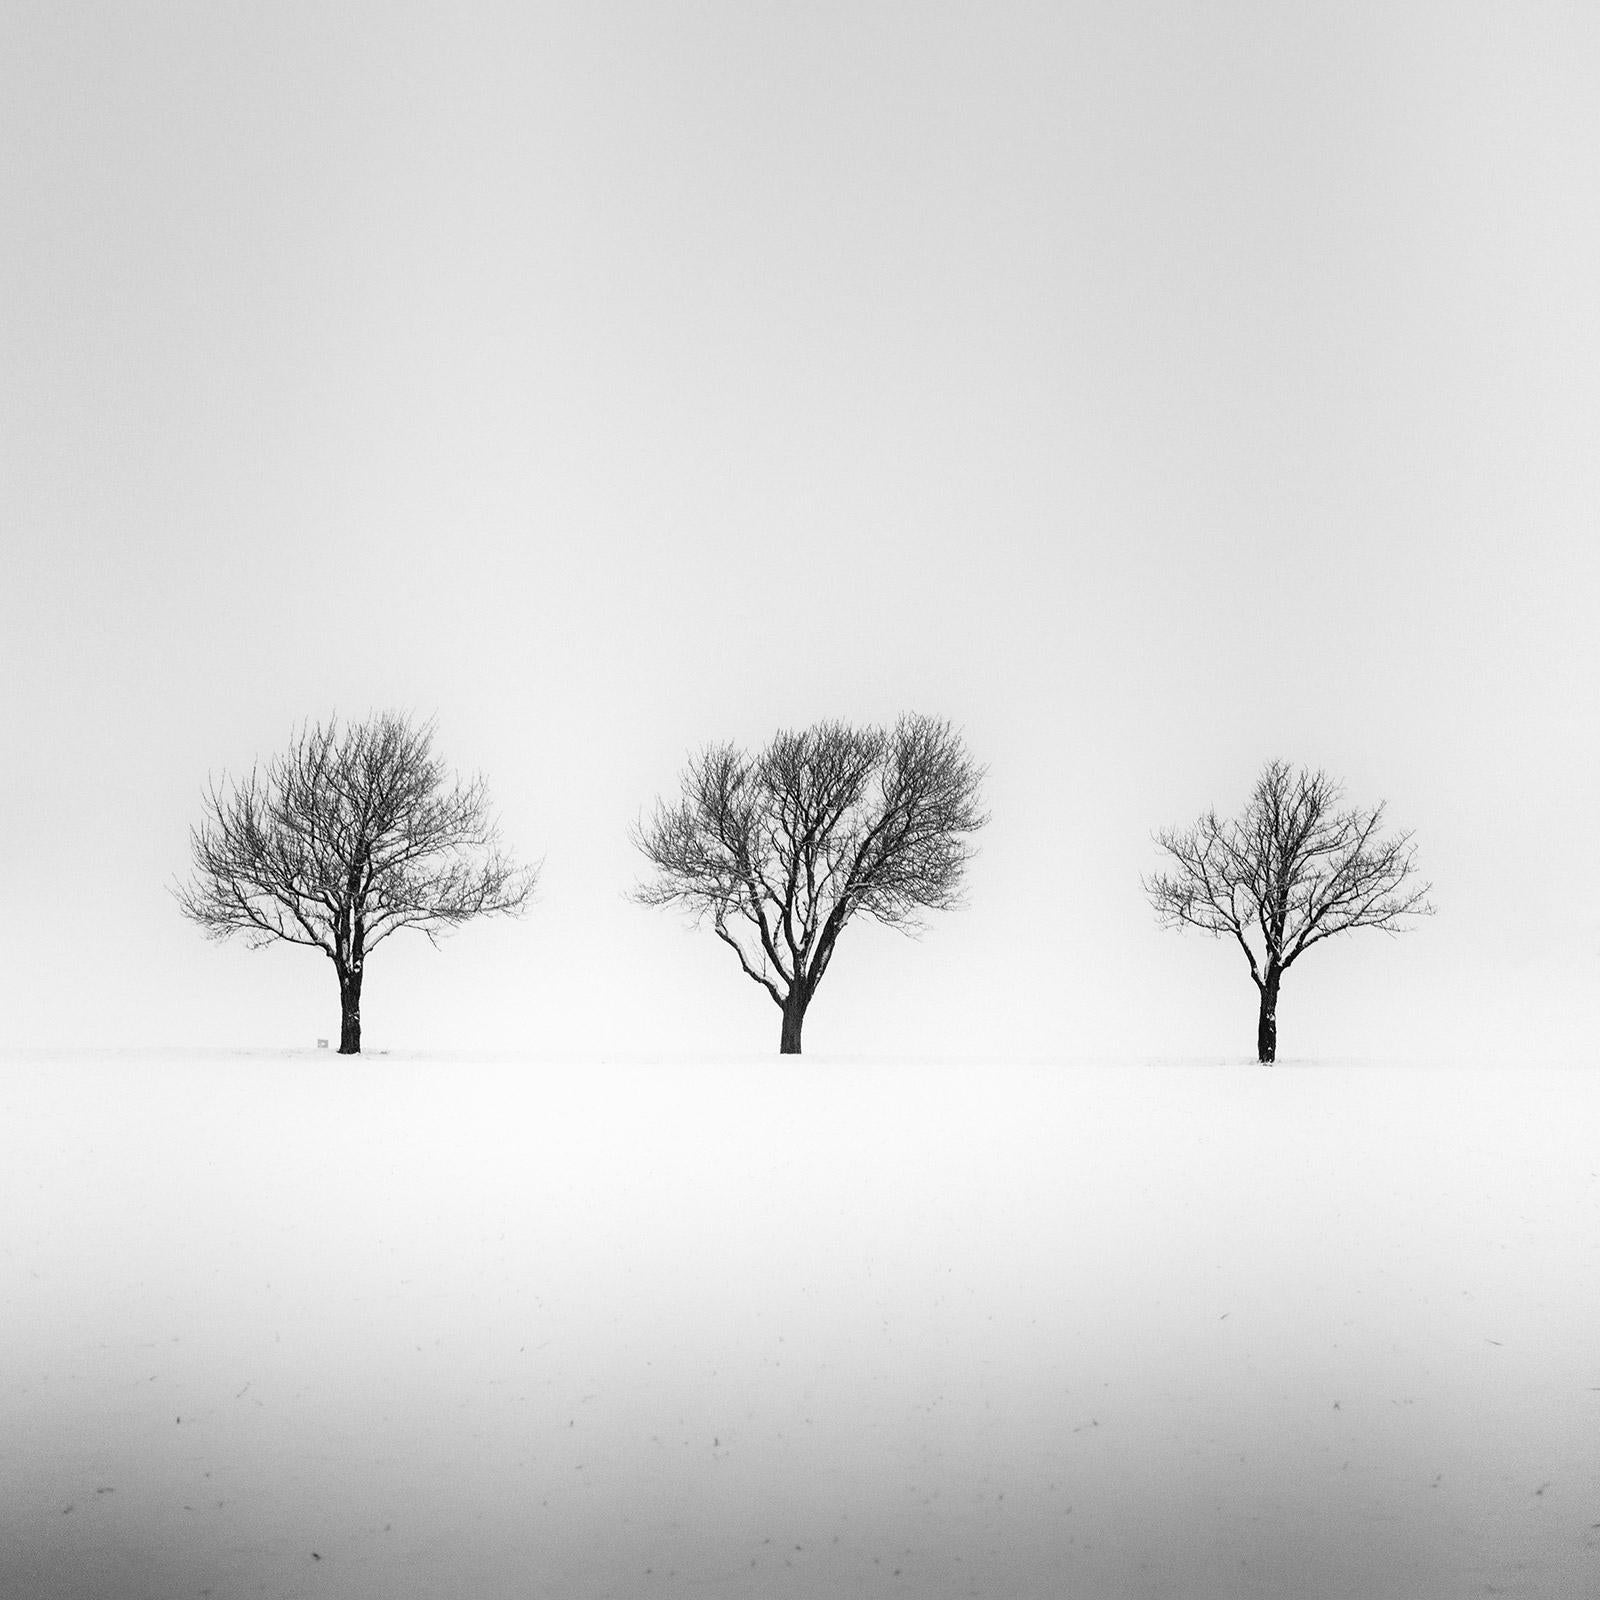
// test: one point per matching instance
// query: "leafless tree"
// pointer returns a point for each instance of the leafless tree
(781, 849)
(1292, 870)
(350, 835)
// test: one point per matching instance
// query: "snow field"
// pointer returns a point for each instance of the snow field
(293, 1325)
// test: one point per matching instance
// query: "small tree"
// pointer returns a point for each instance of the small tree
(347, 837)
(1291, 871)
(781, 849)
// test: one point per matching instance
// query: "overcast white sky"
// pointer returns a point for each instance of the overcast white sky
(1150, 390)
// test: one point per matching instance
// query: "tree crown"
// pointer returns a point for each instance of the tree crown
(781, 848)
(349, 835)
(1291, 870)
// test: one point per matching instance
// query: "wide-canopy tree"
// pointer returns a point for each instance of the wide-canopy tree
(782, 848)
(350, 835)
(1291, 870)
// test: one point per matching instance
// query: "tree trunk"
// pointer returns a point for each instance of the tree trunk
(1267, 1022)
(794, 1016)
(350, 1012)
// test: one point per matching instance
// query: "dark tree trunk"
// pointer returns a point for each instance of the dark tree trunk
(1267, 1022)
(350, 1012)
(794, 1016)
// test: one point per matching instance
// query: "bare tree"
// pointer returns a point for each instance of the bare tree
(350, 835)
(1291, 871)
(782, 848)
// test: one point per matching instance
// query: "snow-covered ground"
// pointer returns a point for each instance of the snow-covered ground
(291, 1325)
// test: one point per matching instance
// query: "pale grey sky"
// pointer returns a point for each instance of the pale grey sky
(1151, 391)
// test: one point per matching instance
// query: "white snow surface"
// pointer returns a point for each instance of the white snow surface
(293, 1325)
